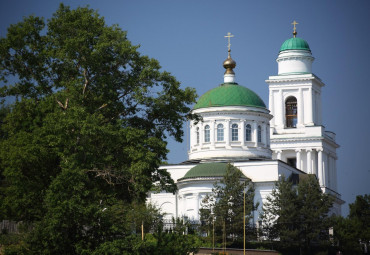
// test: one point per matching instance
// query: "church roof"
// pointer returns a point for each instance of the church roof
(295, 43)
(229, 94)
(207, 170)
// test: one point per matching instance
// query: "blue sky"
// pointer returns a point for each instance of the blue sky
(187, 37)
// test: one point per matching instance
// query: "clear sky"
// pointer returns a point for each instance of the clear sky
(187, 37)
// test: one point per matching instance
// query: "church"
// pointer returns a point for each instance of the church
(286, 138)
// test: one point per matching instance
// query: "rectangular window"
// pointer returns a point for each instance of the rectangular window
(207, 134)
(259, 134)
(234, 132)
(220, 135)
(248, 133)
(220, 132)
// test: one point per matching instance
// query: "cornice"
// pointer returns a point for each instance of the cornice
(294, 57)
(231, 113)
(294, 78)
(295, 139)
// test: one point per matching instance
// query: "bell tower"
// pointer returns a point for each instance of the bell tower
(298, 136)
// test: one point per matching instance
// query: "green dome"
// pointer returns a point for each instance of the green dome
(295, 43)
(208, 170)
(229, 94)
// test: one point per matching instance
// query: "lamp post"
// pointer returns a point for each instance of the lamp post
(213, 233)
(244, 223)
(142, 230)
(224, 236)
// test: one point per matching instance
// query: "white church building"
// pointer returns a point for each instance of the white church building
(264, 143)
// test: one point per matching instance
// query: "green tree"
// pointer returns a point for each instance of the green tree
(360, 211)
(225, 206)
(173, 241)
(352, 234)
(297, 215)
(86, 133)
(280, 213)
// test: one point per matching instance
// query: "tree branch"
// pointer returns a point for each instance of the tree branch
(86, 82)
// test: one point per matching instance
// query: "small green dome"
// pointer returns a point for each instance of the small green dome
(229, 94)
(208, 170)
(295, 43)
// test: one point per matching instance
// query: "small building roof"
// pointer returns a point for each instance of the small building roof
(215, 169)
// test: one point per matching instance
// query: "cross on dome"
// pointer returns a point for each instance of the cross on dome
(229, 35)
(294, 28)
(229, 63)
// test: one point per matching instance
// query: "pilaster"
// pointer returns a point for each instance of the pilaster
(300, 109)
(227, 132)
(271, 107)
(310, 110)
(280, 116)
(242, 132)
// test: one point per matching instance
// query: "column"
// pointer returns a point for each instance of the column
(255, 134)
(319, 167)
(300, 109)
(325, 169)
(309, 161)
(298, 158)
(278, 154)
(310, 110)
(314, 160)
(271, 106)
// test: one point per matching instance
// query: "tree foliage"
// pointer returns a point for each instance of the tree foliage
(352, 234)
(86, 130)
(225, 206)
(297, 215)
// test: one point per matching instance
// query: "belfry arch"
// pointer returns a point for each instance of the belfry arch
(291, 112)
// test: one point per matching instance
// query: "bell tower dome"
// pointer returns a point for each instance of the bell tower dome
(295, 56)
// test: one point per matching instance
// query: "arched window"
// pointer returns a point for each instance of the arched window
(197, 134)
(234, 132)
(259, 133)
(248, 133)
(220, 132)
(291, 112)
(207, 135)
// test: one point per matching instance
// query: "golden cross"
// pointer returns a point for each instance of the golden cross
(229, 35)
(294, 28)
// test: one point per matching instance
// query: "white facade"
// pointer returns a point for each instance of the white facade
(187, 200)
(305, 143)
(289, 138)
(239, 118)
